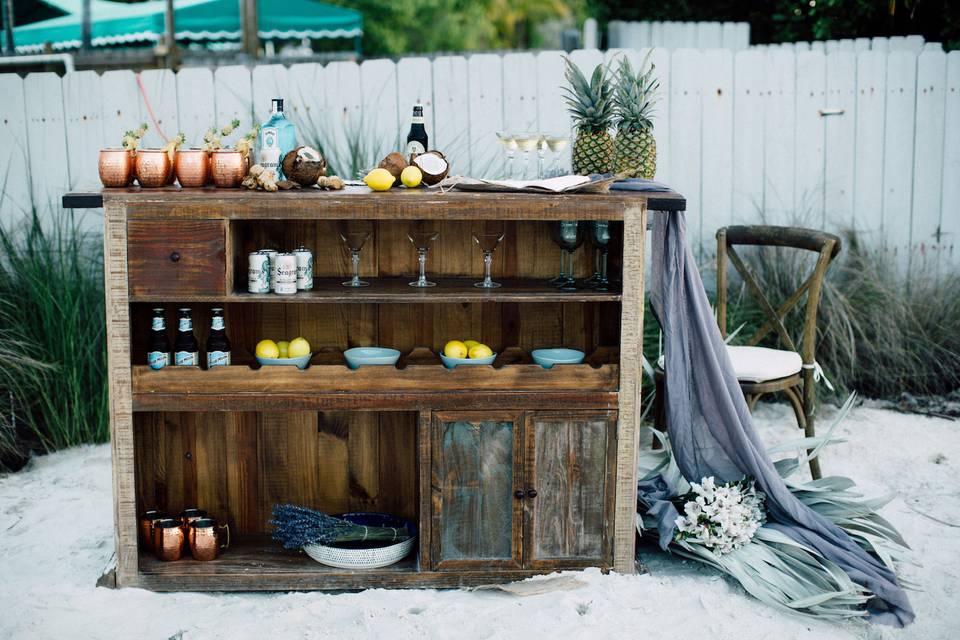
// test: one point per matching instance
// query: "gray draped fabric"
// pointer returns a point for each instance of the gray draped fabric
(711, 431)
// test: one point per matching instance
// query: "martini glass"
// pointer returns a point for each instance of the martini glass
(541, 154)
(556, 144)
(509, 143)
(488, 243)
(568, 234)
(601, 238)
(354, 241)
(527, 142)
(421, 240)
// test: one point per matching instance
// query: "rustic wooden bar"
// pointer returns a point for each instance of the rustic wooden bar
(552, 453)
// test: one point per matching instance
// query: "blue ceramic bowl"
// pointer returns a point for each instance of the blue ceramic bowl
(452, 363)
(367, 356)
(299, 363)
(546, 358)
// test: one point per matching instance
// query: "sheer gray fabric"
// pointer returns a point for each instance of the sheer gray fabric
(711, 431)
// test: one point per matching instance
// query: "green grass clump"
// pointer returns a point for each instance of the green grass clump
(53, 337)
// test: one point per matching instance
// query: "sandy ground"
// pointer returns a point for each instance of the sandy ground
(56, 538)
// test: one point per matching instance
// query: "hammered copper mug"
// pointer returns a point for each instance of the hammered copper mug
(145, 527)
(204, 540)
(189, 515)
(229, 167)
(153, 168)
(192, 167)
(115, 167)
(169, 539)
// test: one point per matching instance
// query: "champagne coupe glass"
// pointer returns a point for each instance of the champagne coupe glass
(421, 240)
(556, 144)
(541, 154)
(354, 241)
(601, 238)
(527, 142)
(488, 243)
(509, 142)
(569, 235)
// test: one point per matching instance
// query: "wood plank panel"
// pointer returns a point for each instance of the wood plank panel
(196, 111)
(928, 178)
(717, 130)
(868, 177)
(748, 135)
(177, 258)
(810, 141)
(380, 119)
(485, 79)
(950, 192)
(898, 166)
(43, 95)
(840, 136)
(242, 473)
(15, 155)
(83, 127)
(160, 88)
(451, 114)
(415, 86)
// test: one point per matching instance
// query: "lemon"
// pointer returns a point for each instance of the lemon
(455, 349)
(470, 344)
(284, 347)
(480, 351)
(298, 347)
(267, 349)
(379, 180)
(411, 177)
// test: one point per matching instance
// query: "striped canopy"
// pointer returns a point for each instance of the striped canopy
(115, 23)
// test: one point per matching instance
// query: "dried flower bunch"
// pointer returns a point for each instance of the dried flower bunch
(721, 518)
(131, 139)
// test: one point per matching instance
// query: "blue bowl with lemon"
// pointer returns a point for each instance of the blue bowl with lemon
(467, 352)
(295, 353)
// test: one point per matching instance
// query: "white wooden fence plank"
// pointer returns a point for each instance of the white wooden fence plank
(615, 33)
(846, 44)
(914, 43)
(950, 192)
(379, 113)
(748, 134)
(269, 81)
(840, 134)
(551, 107)
(897, 43)
(861, 44)
(717, 133)
(928, 158)
(685, 140)
(15, 195)
(709, 35)
(452, 118)
(818, 45)
(880, 44)
(308, 106)
(415, 85)
(730, 36)
(868, 168)
(232, 98)
(809, 141)
(656, 34)
(120, 111)
(520, 94)
(485, 78)
(160, 89)
(82, 104)
(196, 108)
(660, 58)
(640, 35)
(347, 143)
(49, 170)
(898, 155)
(779, 127)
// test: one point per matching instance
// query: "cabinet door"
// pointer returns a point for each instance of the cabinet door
(476, 461)
(569, 488)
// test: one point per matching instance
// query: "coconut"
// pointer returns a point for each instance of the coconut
(304, 165)
(432, 165)
(395, 164)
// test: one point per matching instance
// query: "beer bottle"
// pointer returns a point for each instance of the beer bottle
(158, 351)
(218, 345)
(417, 138)
(186, 350)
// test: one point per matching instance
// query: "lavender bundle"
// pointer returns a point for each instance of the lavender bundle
(296, 526)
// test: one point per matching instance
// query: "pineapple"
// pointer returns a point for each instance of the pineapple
(591, 106)
(635, 150)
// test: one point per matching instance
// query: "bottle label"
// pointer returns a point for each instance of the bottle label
(218, 359)
(414, 146)
(185, 324)
(270, 149)
(187, 359)
(216, 323)
(158, 359)
(158, 324)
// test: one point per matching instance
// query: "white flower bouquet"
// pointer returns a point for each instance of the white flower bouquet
(721, 518)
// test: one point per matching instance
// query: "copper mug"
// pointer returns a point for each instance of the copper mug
(204, 539)
(189, 515)
(153, 168)
(228, 168)
(145, 527)
(169, 539)
(192, 167)
(115, 167)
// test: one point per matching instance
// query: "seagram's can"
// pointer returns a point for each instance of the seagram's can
(304, 268)
(286, 272)
(258, 272)
(272, 254)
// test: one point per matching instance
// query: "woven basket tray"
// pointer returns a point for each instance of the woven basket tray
(365, 556)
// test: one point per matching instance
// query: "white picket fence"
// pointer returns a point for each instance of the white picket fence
(738, 132)
(678, 35)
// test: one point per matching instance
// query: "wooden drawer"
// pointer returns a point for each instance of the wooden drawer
(173, 259)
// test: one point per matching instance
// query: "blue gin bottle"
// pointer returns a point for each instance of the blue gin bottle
(278, 136)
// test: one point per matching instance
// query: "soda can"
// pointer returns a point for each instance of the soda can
(286, 270)
(304, 268)
(258, 272)
(272, 254)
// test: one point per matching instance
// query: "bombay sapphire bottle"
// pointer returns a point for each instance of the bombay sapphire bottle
(278, 136)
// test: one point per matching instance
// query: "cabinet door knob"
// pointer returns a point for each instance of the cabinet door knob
(531, 493)
(519, 494)
(175, 256)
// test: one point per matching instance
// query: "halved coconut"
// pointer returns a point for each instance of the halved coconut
(304, 165)
(433, 166)
(395, 164)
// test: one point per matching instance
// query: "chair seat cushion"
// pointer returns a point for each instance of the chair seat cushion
(759, 364)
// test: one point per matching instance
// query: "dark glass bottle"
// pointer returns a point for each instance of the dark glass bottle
(218, 344)
(185, 347)
(158, 351)
(417, 138)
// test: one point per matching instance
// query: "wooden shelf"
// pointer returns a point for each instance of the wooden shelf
(398, 290)
(256, 563)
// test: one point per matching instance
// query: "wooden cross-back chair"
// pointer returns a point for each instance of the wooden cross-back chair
(793, 369)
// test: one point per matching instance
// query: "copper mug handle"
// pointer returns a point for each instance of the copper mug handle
(225, 527)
